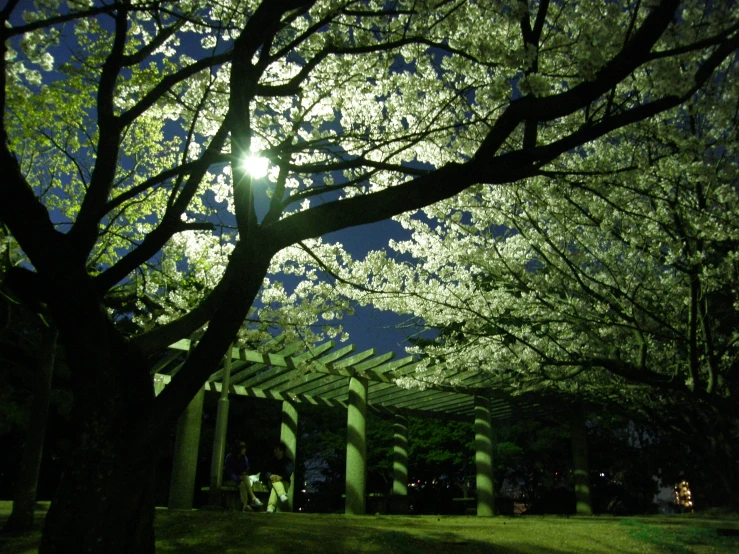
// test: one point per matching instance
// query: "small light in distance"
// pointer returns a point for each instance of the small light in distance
(256, 166)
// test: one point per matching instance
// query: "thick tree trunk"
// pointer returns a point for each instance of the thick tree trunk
(105, 501)
(102, 505)
(716, 486)
(24, 500)
(105, 498)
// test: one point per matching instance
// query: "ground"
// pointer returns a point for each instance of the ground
(195, 532)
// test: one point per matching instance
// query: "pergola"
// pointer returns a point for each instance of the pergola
(357, 382)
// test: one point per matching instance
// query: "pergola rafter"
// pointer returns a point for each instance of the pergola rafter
(321, 374)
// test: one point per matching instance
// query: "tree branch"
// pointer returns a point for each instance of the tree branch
(628, 371)
(353, 164)
(632, 55)
(171, 221)
(56, 20)
(166, 84)
(156, 42)
(84, 231)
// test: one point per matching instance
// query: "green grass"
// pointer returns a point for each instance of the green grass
(673, 537)
(196, 532)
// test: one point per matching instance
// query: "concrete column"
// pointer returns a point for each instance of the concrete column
(219, 440)
(399, 500)
(289, 436)
(484, 457)
(581, 464)
(356, 448)
(184, 465)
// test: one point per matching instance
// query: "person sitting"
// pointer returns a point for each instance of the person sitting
(236, 469)
(276, 476)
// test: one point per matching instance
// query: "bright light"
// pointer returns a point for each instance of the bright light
(256, 166)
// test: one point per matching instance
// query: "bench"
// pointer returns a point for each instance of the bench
(503, 506)
(375, 503)
(469, 504)
(227, 496)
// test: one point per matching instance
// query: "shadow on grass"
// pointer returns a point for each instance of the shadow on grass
(263, 533)
(196, 532)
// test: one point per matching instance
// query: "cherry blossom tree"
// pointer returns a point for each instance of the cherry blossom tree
(613, 277)
(126, 129)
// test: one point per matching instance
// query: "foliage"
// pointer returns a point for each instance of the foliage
(435, 447)
(611, 275)
(439, 446)
(566, 273)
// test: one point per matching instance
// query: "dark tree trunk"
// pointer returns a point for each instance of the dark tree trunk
(24, 499)
(717, 485)
(105, 501)
(105, 498)
(103, 505)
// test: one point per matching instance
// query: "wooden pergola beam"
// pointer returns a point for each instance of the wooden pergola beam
(320, 375)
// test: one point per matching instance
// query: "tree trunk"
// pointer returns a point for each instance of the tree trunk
(105, 500)
(717, 485)
(102, 505)
(24, 499)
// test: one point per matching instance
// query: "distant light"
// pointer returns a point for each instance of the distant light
(256, 166)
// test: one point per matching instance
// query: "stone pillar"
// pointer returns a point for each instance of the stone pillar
(580, 463)
(184, 465)
(399, 498)
(289, 436)
(484, 457)
(219, 440)
(356, 448)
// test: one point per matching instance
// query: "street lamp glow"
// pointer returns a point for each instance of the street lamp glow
(256, 166)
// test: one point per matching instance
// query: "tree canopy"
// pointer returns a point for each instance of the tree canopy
(611, 275)
(127, 124)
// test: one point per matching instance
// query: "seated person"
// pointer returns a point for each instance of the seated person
(276, 476)
(236, 469)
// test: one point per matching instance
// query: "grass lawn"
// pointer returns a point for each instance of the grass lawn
(196, 532)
